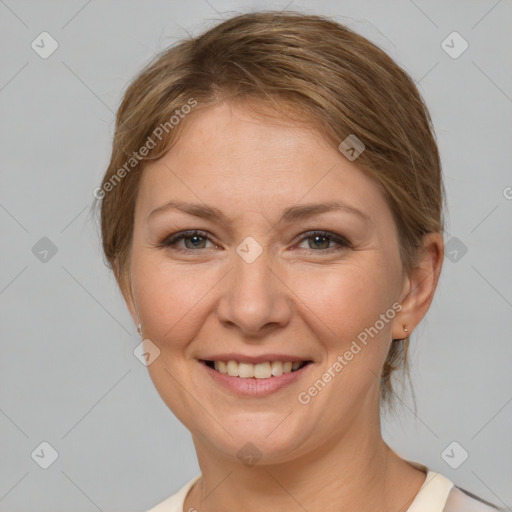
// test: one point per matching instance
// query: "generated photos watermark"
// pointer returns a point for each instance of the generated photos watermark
(305, 397)
(143, 151)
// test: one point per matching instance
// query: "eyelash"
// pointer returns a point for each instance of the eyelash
(170, 242)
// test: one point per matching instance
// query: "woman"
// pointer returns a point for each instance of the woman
(272, 212)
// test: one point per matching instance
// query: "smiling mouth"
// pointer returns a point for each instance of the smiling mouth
(265, 370)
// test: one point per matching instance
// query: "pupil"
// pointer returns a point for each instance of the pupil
(318, 237)
(196, 238)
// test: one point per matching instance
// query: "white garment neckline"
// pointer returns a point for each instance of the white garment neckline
(431, 496)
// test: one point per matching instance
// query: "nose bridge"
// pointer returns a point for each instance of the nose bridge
(252, 267)
(253, 296)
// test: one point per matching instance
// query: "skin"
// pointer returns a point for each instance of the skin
(300, 297)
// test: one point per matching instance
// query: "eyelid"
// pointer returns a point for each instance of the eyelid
(339, 239)
(169, 241)
(178, 236)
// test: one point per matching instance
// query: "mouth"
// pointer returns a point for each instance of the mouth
(259, 379)
(261, 371)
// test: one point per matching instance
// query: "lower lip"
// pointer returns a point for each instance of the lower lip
(252, 386)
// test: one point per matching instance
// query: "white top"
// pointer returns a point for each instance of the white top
(437, 494)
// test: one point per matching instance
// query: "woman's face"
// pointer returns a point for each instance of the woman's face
(258, 284)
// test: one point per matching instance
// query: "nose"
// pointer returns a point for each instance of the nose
(255, 297)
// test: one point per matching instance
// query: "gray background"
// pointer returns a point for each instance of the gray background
(68, 375)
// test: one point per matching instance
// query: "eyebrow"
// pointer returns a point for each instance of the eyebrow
(291, 214)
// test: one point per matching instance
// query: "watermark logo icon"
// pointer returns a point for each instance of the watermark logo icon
(454, 455)
(44, 455)
(455, 249)
(146, 352)
(351, 147)
(249, 454)
(44, 45)
(454, 45)
(44, 250)
(249, 249)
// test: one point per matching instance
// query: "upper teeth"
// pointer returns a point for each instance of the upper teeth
(260, 370)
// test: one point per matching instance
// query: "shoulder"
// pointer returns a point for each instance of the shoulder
(460, 500)
(175, 502)
(440, 494)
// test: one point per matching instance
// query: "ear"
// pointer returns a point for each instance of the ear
(420, 285)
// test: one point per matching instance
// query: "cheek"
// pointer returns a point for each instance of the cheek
(350, 312)
(345, 300)
(169, 300)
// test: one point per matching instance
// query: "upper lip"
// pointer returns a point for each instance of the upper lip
(263, 358)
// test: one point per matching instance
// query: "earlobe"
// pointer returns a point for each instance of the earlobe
(420, 286)
(400, 332)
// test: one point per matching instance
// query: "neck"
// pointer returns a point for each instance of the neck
(354, 471)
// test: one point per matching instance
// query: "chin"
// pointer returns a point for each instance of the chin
(265, 440)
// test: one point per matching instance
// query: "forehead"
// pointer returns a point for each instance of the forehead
(227, 157)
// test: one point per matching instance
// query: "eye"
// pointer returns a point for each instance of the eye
(321, 239)
(193, 240)
(196, 239)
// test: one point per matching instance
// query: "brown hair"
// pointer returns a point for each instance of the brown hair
(306, 67)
